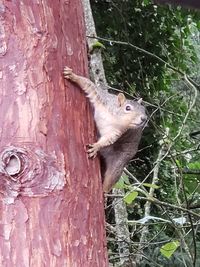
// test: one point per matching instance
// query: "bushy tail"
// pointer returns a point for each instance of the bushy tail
(113, 172)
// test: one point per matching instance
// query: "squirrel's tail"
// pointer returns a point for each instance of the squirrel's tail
(112, 174)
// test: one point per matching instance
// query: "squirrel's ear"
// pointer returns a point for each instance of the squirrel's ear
(140, 101)
(121, 99)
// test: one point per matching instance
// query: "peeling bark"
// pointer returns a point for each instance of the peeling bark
(50, 192)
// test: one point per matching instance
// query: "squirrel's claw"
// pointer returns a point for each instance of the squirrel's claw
(92, 151)
(67, 72)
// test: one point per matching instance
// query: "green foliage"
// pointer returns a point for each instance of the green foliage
(97, 45)
(171, 34)
(123, 182)
(162, 31)
(192, 180)
(194, 165)
(151, 185)
(168, 249)
(130, 197)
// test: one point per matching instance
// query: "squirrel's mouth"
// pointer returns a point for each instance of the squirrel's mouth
(142, 123)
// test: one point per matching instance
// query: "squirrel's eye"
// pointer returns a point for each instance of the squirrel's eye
(128, 107)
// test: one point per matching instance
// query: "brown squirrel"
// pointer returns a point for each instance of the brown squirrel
(120, 123)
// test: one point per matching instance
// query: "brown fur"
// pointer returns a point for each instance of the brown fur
(119, 122)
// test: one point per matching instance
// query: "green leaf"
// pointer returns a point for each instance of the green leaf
(125, 179)
(97, 44)
(146, 2)
(151, 185)
(178, 163)
(130, 197)
(168, 249)
(198, 24)
(194, 165)
(120, 184)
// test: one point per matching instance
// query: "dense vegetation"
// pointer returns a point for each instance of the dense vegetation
(154, 52)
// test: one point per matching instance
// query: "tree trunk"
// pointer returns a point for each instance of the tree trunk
(51, 201)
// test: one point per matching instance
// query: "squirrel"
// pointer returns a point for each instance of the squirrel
(119, 122)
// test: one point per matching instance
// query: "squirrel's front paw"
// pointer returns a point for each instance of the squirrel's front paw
(92, 151)
(67, 73)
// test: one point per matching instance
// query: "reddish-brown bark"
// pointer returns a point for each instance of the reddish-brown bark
(51, 204)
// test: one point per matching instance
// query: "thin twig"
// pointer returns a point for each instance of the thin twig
(147, 53)
(161, 203)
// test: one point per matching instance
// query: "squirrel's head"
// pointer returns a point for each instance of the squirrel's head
(131, 112)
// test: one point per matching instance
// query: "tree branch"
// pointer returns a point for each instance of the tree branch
(164, 204)
(149, 54)
(191, 171)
